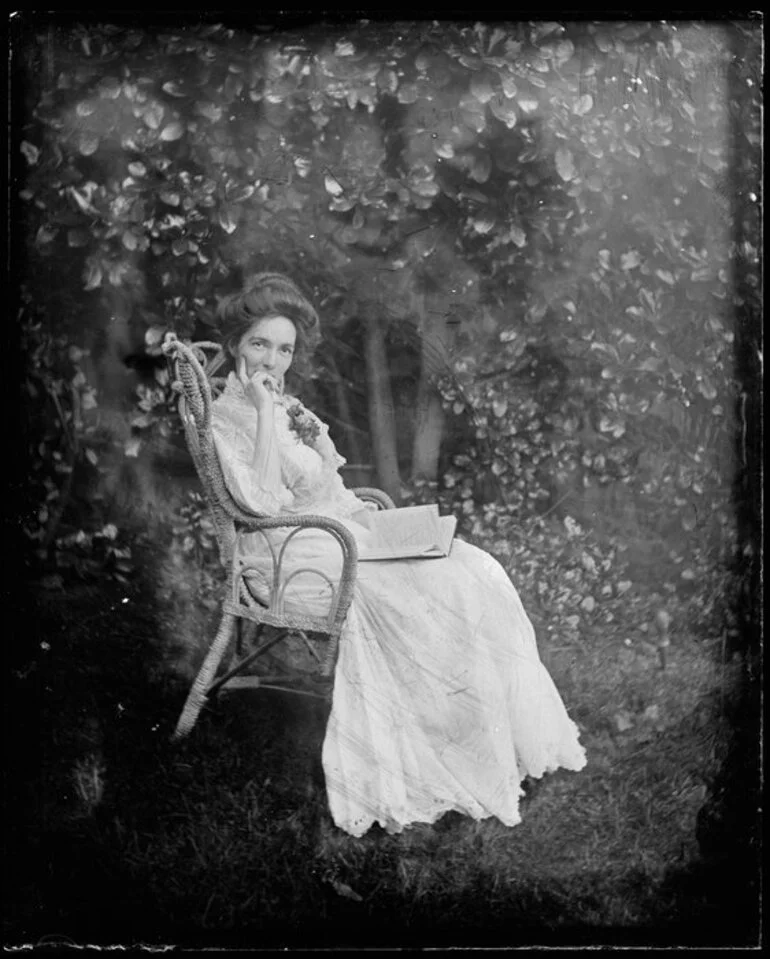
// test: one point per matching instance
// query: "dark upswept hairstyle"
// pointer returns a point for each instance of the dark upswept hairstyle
(266, 295)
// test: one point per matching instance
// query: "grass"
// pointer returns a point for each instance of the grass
(225, 839)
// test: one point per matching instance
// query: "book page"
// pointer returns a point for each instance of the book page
(410, 526)
(448, 525)
(412, 531)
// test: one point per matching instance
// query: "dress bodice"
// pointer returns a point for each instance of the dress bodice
(305, 471)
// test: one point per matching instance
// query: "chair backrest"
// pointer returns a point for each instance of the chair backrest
(193, 368)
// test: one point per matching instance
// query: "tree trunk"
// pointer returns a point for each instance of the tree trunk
(429, 424)
(382, 422)
(429, 430)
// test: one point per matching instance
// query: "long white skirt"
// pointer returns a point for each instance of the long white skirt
(440, 699)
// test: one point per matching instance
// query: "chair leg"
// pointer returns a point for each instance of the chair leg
(197, 696)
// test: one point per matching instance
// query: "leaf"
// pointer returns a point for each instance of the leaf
(426, 188)
(583, 105)
(630, 260)
(172, 132)
(109, 88)
(497, 36)
(153, 114)
(242, 193)
(141, 421)
(603, 42)
(651, 365)
(481, 169)
(706, 388)
(623, 720)
(544, 29)
(131, 446)
(333, 185)
(408, 93)
(173, 89)
(154, 335)
(233, 87)
(30, 151)
(500, 406)
(481, 87)
(387, 81)
(343, 889)
(88, 144)
(564, 164)
(563, 52)
(504, 110)
(528, 104)
(45, 235)
(227, 222)
(93, 277)
(137, 169)
(209, 110)
(482, 224)
(509, 86)
(666, 276)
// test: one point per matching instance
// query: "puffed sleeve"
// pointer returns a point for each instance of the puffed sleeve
(234, 443)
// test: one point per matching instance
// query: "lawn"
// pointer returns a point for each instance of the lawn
(117, 836)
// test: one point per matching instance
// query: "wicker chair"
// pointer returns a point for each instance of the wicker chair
(193, 366)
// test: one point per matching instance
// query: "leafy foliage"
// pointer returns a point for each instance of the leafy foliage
(546, 204)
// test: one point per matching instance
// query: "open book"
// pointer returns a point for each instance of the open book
(412, 532)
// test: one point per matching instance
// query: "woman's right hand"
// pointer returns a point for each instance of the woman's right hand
(256, 389)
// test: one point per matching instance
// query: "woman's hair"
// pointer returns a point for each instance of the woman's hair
(266, 295)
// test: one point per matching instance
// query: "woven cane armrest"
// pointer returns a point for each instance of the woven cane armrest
(371, 494)
(274, 612)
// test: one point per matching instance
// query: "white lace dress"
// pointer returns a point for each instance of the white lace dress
(440, 699)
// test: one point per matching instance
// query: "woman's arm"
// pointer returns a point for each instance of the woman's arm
(248, 452)
(265, 463)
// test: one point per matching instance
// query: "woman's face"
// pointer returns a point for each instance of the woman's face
(267, 347)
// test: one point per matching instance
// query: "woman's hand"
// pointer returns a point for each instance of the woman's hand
(259, 388)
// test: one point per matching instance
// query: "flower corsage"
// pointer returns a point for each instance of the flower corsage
(303, 423)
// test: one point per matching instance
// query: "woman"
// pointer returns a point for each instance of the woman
(440, 699)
